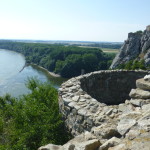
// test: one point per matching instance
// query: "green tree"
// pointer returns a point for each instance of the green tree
(90, 62)
(58, 67)
(129, 65)
(72, 66)
(33, 120)
(142, 65)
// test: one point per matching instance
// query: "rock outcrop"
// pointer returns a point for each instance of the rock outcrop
(98, 126)
(137, 45)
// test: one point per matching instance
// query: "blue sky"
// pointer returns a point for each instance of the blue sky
(80, 20)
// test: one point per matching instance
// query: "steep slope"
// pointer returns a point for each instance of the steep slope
(137, 45)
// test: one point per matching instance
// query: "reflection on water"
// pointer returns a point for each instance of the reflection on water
(13, 81)
(10, 64)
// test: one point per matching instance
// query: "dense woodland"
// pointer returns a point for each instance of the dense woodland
(68, 61)
(32, 120)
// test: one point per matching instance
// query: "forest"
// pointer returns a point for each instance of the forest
(68, 61)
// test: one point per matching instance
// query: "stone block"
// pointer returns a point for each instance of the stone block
(143, 84)
(139, 94)
(125, 125)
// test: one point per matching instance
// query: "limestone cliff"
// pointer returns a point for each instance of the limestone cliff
(136, 46)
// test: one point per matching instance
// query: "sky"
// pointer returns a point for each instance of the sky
(73, 20)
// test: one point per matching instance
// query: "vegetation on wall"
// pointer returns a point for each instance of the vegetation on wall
(68, 61)
(33, 120)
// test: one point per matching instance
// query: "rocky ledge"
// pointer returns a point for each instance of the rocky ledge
(98, 126)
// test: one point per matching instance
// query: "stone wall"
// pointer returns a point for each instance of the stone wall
(82, 112)
(110, 87)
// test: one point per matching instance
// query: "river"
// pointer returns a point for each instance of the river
(13, 78)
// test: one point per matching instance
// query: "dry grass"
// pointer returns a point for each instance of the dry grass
(109, 50)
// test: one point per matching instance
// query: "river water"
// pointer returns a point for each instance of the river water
(12, 79)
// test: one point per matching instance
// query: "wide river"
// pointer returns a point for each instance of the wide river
(13, 78)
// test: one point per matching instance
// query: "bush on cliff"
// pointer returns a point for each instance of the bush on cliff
(33, 120)
(133, 65)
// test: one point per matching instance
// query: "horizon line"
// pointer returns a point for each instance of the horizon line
(62, 40)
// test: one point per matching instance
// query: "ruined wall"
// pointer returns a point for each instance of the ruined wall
(83, 100)
(110, 87)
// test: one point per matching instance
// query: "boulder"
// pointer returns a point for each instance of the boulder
(141, 142)
(105, 131)
(118, 147)
(69, 146)
(132, 134)
(146, 107)
(140, 94)
(110, 143)
(136, 102)
(125, 108)
(88, 145)
(147, 78)
(51, 147)
(142, 84)
(85, 141)
(125, 125)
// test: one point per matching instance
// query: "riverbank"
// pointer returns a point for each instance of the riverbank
(51, 73)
